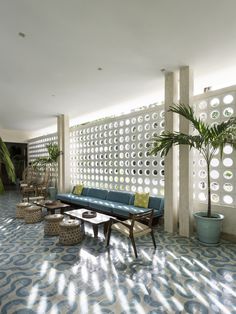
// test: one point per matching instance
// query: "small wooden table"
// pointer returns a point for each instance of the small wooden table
(95, 222)
(52, 207)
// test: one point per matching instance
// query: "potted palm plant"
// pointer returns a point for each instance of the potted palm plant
(206, 139)
(50, 161)
(5, 159)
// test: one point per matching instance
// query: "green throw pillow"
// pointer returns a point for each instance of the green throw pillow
(141, 200)
(78, 189)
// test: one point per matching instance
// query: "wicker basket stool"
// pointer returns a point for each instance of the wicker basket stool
(52, 222)
(33, 214)
(70, 232)
(20, 210)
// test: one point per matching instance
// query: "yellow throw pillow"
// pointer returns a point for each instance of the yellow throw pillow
(78, 189)
(141, 200)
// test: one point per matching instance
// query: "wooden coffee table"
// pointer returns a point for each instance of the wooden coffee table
(52, 207)
(100, 219)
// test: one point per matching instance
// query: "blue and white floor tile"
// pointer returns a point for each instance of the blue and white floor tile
(37, 275)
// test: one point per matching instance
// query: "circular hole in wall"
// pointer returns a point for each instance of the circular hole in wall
(228, 162)
(228, 112)
(214, 102)
(202, 105)
(228, 199)
(202, 196)
(215, 186)
(228, 187)
(228, 149)
(228, 99)
(214, 174)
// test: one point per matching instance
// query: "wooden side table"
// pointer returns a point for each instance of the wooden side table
(53, 206)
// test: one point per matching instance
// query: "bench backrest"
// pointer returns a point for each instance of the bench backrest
(120, 197)
(98, 193)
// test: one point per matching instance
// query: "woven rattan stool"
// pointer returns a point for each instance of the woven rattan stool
(33, 214)
(20, 210)
(70, 232)
(52, 222)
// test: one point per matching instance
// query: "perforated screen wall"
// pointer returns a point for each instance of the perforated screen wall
(214, 109)
(37, 148)
(112, 153)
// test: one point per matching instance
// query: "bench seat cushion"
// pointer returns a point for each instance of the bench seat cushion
(104, 205)
(125, 210)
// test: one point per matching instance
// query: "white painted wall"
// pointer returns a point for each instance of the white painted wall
(14, 136)
(17, 136)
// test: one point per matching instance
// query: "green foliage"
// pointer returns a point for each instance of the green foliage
(51, 159)
(6, 160)
(208, 139)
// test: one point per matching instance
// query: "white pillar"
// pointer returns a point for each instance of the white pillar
(64, 160)
(185, 160)
(171, 160)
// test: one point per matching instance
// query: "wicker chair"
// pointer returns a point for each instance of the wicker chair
(41, 188)
(37, 183)
(133, 228)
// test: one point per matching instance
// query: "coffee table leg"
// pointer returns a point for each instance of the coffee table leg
(105, 228)
(95, 231)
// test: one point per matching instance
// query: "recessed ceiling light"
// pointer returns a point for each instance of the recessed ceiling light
(99, 69)
(21, 34)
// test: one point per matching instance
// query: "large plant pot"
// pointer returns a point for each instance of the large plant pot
(208, 229)
(52, 191)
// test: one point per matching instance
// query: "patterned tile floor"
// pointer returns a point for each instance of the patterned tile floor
(37, 275)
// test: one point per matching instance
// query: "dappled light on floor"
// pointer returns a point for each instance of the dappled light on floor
(39, 275)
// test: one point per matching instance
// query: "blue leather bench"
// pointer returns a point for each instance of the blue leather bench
(114, 203)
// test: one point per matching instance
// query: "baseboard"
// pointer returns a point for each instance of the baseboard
(228, 237)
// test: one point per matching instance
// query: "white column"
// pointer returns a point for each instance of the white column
(171, 160)
(64, 160)
(185, 160)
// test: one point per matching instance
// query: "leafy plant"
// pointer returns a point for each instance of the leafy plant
(207, 139)
(5, 159)
(51, 160)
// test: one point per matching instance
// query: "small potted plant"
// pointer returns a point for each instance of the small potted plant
(206, 139)
(5, 159)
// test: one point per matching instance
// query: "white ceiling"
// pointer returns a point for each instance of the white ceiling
(54, 69)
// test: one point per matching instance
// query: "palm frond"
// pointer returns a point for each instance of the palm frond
(222, 134)
(6, 160)
(53, 151)
(163, 143)
(187, 112)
